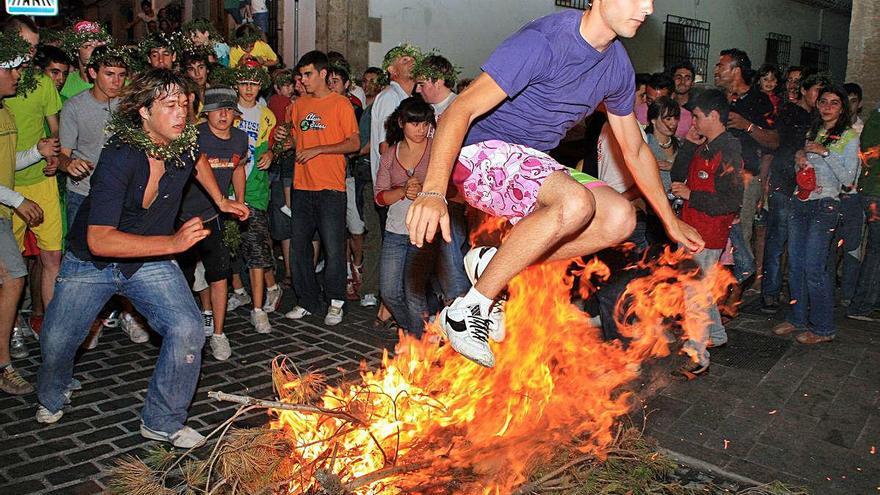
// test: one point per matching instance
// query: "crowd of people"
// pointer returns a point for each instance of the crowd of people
(132, 177)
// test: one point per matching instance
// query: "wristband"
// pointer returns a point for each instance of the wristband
(749, 130)
(433, 193)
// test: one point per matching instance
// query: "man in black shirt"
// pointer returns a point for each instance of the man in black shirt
(122, 242)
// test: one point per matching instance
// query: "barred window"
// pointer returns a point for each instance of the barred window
(815, 55)
(686, 40)
(778, 50)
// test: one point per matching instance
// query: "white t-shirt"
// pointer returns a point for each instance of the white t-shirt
(384, 105)
(612, 167)
(258, 6)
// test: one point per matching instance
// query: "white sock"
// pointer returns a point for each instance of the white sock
(258, 310)
(207, 312)
(240, 291)
(474, 296)
(274, 287)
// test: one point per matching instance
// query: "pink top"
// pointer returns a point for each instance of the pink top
(684, 123)
(390, 175)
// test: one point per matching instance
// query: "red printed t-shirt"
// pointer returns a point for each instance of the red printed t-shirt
(319, 122)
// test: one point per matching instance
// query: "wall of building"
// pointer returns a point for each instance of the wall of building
(467, 31)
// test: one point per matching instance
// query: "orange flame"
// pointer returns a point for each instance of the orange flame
(556, 384)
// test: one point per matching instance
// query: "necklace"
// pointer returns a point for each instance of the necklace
(666, 145)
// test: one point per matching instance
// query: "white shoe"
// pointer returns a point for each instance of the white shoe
(17, 347)
(319, 267)
(297, 313)
(273, 297)
(220, 348)
(475, 262)
(208, 322)
(334, 313)
(237, 300)
(134, 329)
(496, 314)
(184, 438)
(369, 301)
(467, 331)
(112, 320)
(260, 320)
(46, 417)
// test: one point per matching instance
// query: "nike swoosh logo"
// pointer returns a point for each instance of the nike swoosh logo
(458, 326)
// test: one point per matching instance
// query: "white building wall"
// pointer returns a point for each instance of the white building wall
(466, 31)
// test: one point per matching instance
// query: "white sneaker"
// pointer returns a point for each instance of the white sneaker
(273, 297)
(134, 329)
(184, 438)
(319, 267)
(467, 331)
(112, 320)
(297, 313)
(46, 417)
(496, 314)
(475, 262)
(208, 321)
(369, 301)
(334, 313)
(237, 300)
(220, 348)
(17, 347)
(260, 320)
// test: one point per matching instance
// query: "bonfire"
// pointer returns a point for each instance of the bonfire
(546, 419)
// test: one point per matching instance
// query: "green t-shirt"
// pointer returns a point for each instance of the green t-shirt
(870, 141)
(30, 113)
(74, 85)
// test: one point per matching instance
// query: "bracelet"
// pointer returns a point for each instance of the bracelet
(749, 130)
(433, 193)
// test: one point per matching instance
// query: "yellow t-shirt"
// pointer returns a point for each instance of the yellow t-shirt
(7, 156)
(260, 49)
(30, 113)
(318, 122)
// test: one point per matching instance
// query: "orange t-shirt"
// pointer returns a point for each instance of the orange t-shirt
(318, 122)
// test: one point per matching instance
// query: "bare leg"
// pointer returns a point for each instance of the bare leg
(565, 224)
(257, 286)
(205, 300)
(236, 281)
(357, 249)
(51, 266)
(285, 252)
(10, 292)
(218, 300)
(269, 277)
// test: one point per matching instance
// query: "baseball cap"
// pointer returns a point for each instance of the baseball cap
(220, 98)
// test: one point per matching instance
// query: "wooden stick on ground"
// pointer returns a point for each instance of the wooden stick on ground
(274, 404)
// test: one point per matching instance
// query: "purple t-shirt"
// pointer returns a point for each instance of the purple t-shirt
(553, 79)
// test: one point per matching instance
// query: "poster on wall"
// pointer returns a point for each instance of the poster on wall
(32, 7)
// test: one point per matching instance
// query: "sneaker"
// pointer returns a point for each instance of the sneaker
(467, 331)
(369, 301)
(134, 329)
(11, 382)
(208, 322)
(184, 438)
(319, 267)
(297, 313)
(273, 298)
(476, 260)
(237, 300)
(334, 313)
(260, 321)
(94, 335)
(496, 314)
(220, 347)
(46, 417)
(22, 324)
(112, 320)
(17, 347)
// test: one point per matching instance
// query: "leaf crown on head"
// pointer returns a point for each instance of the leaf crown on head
(74, 37)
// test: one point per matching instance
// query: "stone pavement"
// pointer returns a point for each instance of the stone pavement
(788, 412)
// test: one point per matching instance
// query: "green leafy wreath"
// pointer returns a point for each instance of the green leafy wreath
(203, 25)
(13, 48)
(176, 42)
(72, 39)
(113, 52)
(135, 136)
(431, 73)
(258, 74)
(28, 80)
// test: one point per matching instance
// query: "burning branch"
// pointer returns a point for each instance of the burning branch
(282, 406)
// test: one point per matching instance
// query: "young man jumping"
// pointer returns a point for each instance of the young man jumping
(535, 86)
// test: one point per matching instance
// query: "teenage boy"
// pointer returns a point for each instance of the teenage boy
(324, 130)
(258, 122)
(122, 242)
(708, 174)
(161, 51)
(225, 148)
(533, 89)
(14, 270)
(89, 35)
(54, 63)
(197, 68)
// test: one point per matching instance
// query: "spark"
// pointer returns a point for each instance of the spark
(726, 443)
(873, 450)
(773, 412)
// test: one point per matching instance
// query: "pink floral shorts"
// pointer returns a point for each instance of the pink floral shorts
(503, 179)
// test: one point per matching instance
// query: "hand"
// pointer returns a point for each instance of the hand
(680, 189)
(307, 154)
(736, 121)
(265, 161)
(664, 164)
(694, 136)
(281, 133)
(236, 208)
(191, 232)
(423, 217)
(49, 147)
(79, 169)
(51, 167)
(687, 236)
(413, 188)
(814, 147)
(30, 212)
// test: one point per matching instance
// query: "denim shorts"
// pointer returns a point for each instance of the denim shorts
(11, 263)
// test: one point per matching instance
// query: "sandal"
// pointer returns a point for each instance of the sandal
(690, 372)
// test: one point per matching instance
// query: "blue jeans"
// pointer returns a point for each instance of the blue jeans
(73, 202)
(810, 231)
(450, 257)
(158, 291)
(868, 288)
(774, 244)
(848, 236)
(743, 261)
(403, 280)
(323, 211)
(716, 333)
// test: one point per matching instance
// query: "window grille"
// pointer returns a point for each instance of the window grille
(574, 4)
(815, 55)
(778, 50)
(686, 40)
